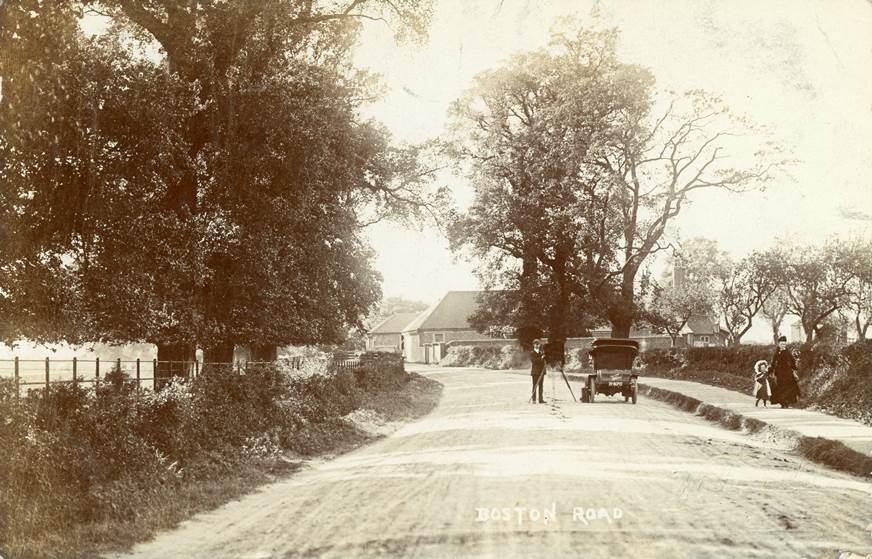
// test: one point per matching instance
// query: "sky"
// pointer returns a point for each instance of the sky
(801, 68)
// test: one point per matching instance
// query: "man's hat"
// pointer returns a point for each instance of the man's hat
(782, 339)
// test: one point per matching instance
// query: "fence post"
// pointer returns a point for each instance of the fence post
(154, 373)
(118, 364)
(75, 368)
(17, 379)
(47, 381)
(196, 368)
(137, 373)
(97, 368)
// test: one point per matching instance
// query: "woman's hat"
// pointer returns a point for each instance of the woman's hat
(782, 339)
(758, 366)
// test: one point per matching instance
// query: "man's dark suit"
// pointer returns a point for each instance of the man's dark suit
(537, 372)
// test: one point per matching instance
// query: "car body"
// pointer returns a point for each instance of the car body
(613, 360)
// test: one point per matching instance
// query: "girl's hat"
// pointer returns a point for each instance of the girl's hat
(782, 339)
(759, 365)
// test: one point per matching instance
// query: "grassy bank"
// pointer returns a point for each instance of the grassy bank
(833, 454)
(836, 380)
(92, 470)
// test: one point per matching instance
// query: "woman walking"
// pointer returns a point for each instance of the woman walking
(783, 367)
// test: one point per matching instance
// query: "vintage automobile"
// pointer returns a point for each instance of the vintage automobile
(613, 372)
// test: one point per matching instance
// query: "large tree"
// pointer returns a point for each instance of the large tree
(523, 132)
(577, 171)
(211, 193)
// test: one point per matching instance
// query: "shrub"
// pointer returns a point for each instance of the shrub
(457, 356)
(509, 356)
(660, 360)
(513, 357)
(577, 359)
(381, 371)
(76, 454)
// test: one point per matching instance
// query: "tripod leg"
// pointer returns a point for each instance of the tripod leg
(567, 385)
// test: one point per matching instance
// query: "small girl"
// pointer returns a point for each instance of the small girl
(761, 382)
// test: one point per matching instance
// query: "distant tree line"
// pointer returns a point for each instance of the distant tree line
(828, 287)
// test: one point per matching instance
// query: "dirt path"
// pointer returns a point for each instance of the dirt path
(489, 475)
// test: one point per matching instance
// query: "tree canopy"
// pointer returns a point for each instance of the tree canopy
(198, 173)
(580, 165)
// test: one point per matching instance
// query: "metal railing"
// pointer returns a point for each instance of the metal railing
(143, 373)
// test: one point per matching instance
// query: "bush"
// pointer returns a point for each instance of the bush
(509, 356)
(381, 371)
(577, 359)
(75, 455)
(661, 360)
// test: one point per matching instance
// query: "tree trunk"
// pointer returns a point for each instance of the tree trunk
(862, 327)
(623, 309)
(264, 352)
(174, 360)
(527, 322)
(621, 324)
(736, 339)
(529, 311)
(220, 353)
(809, 332)
(557, 327)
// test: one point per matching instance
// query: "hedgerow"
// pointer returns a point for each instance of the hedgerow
(834, 379)
(74, 455)
(509, 356)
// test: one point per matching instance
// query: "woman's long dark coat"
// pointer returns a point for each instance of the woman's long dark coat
(783, 366)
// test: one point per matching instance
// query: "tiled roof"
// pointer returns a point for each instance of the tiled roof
(452, 311)
(394, 324)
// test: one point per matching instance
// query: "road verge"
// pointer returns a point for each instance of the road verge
(825, 451)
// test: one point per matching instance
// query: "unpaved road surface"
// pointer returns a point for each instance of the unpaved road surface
(489, 475)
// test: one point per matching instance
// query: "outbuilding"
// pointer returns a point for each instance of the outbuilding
(444, 321)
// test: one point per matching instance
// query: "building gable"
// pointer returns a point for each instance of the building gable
(394, 324)
(451, 312)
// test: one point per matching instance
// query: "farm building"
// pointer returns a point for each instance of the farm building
(445, 321)
(387, 334)
(700, 331)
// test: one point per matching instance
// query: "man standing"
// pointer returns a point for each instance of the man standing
(783, 367)
(537, 370)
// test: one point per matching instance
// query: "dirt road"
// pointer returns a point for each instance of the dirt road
(489, 475)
